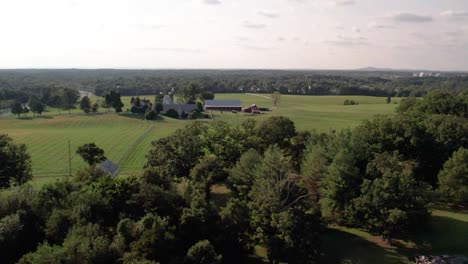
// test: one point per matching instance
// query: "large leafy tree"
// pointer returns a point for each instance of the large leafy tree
(91, 153)
(276, 130)
(68, 98)
(391, 199)
(17, 108)
(112, 99)
(15, 163)
(36, 105)
(453, 178)
(85, 104)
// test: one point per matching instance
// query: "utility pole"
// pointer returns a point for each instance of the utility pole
(69, 159)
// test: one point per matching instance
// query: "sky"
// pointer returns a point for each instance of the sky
(265, 34)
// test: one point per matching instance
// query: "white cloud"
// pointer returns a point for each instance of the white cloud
(211, 2)
(405, 17)
(376, 25)
(457, 15)
(248, 24)
(343, 2)
(269, 14)
(347, 41)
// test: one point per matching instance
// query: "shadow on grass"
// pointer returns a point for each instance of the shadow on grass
(343, 247)
(443, 235)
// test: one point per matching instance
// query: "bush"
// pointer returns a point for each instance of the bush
(151, 115)
(195, 115)
(172, 113)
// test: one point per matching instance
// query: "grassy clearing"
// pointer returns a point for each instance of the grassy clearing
(126, 138)
(322, 113)
(446, 233)
(47, 140)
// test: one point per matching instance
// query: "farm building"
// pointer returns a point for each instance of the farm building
(252, 109)
(180, 108)
(110, 168)
(223, 105)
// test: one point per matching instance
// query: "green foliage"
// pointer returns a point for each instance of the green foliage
(203, 253)
(275, 196)
(392, 200)
(242, 175)
(453, 178)
(207, 172)
(276, 130)
(68, 98)
(17, 108)
(207, 95)
(172, 113)
(85, 104)
(151, 115)
(36, 105)
(112, 99)
(15, 163)
(91, 153)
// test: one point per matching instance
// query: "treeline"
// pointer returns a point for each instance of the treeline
(138, 82)
(282, 186)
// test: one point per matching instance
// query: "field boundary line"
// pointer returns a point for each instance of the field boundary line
(133, 147)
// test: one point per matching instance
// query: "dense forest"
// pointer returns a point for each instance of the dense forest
(20, 84)
(281, 188)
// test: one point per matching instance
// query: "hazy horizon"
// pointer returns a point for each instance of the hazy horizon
(226, 34)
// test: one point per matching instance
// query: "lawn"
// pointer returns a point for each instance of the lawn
(126, 138)
(322, 113)
(445, 233)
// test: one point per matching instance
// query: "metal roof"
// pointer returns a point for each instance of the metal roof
(180, 107)
(110, 168)
(221, 103)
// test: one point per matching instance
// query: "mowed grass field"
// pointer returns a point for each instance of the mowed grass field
(322, 113)
(126, 138)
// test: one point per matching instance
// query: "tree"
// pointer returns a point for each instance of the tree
(95, 108)
(112, 99)
(17, 108)
(453, 178)
(276, 97)
(389, 99)
(151, 115)
(391, 200)
(68, 98)
(36, 105)
(190, 93)
(276, 130)
(203, 253)
(158, 107)
(85, 104)
(242, 175)
(207, 172)
(207, 95)
(15, 163)
(91, 154)
(275, 195)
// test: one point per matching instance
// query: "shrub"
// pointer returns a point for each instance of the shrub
(172, 113)
(151, 115)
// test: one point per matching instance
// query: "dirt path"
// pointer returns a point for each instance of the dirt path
(259, 95)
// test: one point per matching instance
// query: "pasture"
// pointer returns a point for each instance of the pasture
(126, 138)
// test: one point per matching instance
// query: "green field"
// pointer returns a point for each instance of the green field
(126, 138)
(321, 113)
